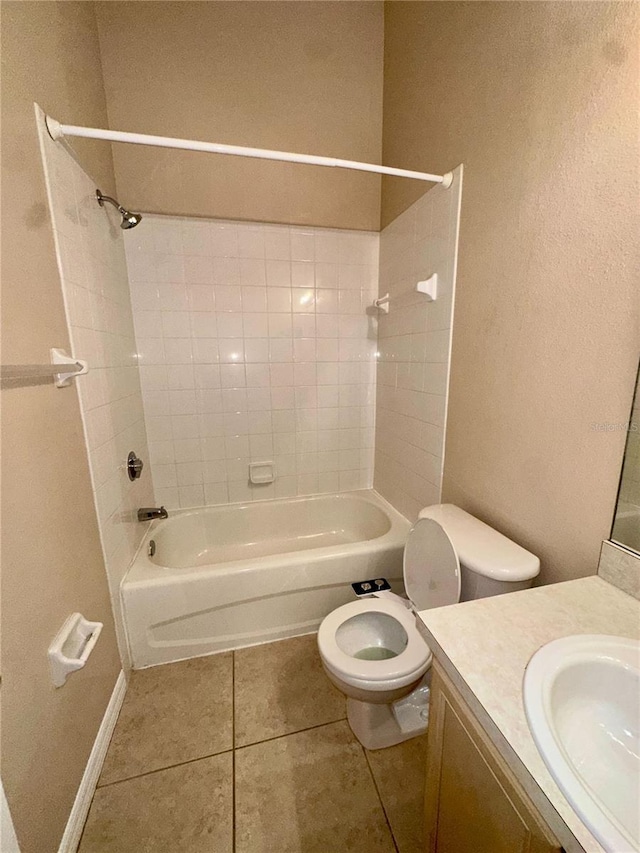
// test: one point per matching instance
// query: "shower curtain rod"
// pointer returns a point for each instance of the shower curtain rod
(59, 131)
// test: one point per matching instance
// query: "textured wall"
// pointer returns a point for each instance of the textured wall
(540, 103)
(255, 345)
(304, 77)
(51, 559)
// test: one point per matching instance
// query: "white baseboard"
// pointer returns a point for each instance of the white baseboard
(8, 840)
(82, 802)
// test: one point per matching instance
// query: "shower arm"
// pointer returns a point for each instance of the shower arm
(102, 198)
(58, 131)
(129, 219)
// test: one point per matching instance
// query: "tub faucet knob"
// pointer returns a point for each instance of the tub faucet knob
(134, 466)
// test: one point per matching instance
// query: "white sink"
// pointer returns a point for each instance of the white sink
(582, 701)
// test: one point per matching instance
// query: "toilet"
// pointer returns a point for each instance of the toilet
(371, 648)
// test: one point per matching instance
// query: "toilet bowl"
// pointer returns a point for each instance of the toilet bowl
(371, 648)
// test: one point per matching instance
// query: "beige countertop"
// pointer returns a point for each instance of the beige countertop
(485, 645)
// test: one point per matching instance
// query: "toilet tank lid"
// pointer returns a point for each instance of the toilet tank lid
(481, 548)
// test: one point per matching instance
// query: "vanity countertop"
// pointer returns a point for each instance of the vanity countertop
(484, 647)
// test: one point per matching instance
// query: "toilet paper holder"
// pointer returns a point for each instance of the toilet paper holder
(72, 646)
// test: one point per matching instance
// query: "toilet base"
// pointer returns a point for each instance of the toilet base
(379, 726)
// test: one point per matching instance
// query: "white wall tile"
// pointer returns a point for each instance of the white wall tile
(224, 238)
(251, 335)
(251, 241)
(253, 272)
(303, 274)
(255, 325)
(413, 349)
(91, 252)
(256, 350)
(191, 495)
(254, 298)
(277, 243)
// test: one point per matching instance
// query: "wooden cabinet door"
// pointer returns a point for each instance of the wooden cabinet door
(474, 804)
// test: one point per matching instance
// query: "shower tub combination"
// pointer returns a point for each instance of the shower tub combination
(230, 576)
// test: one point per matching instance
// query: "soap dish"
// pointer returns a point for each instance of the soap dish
(262, 472)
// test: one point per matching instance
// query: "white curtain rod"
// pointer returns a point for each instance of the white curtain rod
(59, 131)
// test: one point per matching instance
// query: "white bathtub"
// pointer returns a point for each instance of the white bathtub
(232, 576)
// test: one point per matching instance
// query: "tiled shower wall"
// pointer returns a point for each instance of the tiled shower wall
(414, 342)
(256, 342)
(93, 272)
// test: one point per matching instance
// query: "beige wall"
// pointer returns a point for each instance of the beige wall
(52, 564)
(540, 102)
(304, 77)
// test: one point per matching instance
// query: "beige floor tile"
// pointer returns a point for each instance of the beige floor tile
(171, 714)
(309, 792)
(281, 688)
(399, 772)
(185, 809)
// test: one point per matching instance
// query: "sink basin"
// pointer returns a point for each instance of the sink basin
(582, 701)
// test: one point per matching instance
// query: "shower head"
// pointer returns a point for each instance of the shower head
(129, 220)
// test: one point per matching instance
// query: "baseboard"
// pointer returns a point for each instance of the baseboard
(8, 840)
(82, 802)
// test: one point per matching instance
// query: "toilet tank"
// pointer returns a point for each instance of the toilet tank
(490, 564)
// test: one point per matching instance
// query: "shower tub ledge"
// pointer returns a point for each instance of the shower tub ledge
(238, 575)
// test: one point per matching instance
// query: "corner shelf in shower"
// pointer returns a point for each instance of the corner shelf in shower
(63, 369)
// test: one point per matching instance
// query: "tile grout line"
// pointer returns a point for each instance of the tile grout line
(221, 752)
(167, 767)
(375, 785)
(235, 836)
(288, 734)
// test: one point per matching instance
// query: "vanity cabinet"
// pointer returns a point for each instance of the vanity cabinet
(474, 803)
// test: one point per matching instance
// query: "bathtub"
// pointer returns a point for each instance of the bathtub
(242, 574)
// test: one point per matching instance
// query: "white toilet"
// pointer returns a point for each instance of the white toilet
(371, 648)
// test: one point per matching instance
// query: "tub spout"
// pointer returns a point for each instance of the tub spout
(148, 513)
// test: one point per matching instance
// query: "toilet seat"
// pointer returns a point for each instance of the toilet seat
(431, 572)
(410, 664)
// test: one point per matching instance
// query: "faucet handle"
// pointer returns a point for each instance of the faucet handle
(134, 466)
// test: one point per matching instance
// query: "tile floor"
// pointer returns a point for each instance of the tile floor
(250, 752)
